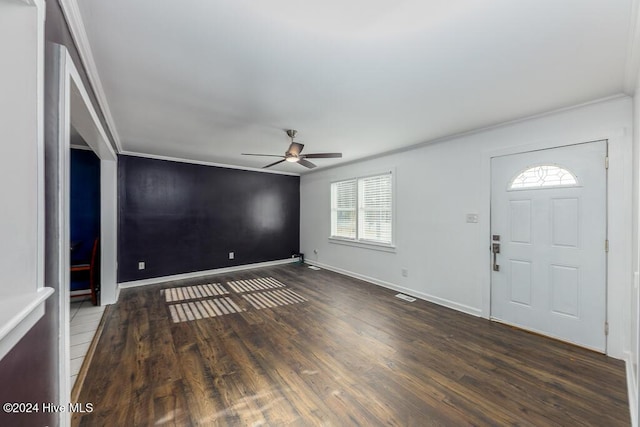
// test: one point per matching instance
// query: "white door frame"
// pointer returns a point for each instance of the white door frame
(619, 224)
(74, 106)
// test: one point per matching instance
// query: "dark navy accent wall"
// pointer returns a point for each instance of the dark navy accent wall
(84, 203)
(180, 217)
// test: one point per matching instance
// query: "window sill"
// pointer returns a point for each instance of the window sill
(365, 245)
(18, 314)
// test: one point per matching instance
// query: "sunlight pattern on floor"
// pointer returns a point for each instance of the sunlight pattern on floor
(193, 292)
(184, 312)
(258, 284)
(188, 303)
(275, 298)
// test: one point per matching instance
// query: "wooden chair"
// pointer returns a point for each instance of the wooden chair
(94, 270)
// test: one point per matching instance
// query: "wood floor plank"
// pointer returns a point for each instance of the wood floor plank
(331, 350)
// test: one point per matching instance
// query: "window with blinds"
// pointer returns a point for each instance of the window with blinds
(343, 209)
(362, 209)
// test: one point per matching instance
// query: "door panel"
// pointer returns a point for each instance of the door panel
(520, 221)
(564, 290)
(520, 282)
(564, 222)
(552, 226)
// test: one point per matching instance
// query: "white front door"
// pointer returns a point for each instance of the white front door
(548, 229)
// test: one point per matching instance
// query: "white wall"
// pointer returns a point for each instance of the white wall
(22, 288)
(448, 260)
(634, 317)
(19, 150)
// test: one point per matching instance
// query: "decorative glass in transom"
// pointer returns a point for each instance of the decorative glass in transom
(544, 176)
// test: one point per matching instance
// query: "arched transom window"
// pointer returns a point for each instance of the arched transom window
(543, 176)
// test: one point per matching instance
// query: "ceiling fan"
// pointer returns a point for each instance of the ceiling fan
(293, 154)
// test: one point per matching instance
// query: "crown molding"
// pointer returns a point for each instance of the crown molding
(205, 163)
(36, 3)
(80, 147)
(632, 67)
(471, 132)
(73, 16)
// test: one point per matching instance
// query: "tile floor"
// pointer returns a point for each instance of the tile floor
(85, 319)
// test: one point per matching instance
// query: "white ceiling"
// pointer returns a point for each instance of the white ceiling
(208, 80)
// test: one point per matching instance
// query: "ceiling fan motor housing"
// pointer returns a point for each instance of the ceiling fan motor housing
(291, 133)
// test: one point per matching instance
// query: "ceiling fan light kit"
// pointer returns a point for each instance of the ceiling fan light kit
(293, 155)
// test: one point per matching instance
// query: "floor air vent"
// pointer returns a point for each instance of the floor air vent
(405, 297)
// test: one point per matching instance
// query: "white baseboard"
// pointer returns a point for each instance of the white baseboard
(81, 292)
(632, 389)
(196, 274)
(431, 298)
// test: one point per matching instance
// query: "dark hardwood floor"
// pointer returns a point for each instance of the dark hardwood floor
(332, 351)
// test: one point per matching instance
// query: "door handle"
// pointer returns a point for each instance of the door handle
(495, 248)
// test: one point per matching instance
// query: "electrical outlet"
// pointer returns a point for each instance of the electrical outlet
(472, 218)
(405, 272)
(141, 265)
(231, 255)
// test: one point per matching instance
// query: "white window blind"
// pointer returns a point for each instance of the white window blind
(343, 209)
(362, 209)
(374, 208)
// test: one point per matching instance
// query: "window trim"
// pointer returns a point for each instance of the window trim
(365, 244)
(358, 242)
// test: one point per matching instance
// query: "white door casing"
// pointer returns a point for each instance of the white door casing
(552, 260)
(68, 103)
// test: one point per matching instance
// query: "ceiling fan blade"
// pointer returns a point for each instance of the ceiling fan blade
(265, 155)
(306, 163)
(273, 164)
(295, 148)
(322, 156)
